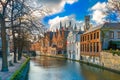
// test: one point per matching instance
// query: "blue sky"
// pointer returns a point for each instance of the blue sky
(79, 9)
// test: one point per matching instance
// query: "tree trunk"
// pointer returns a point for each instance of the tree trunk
(21, 48)
(4, 46)
(19, 52)
(19, 42)
(15, 51)
(13, 34)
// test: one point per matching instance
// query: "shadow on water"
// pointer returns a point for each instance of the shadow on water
(47, 68)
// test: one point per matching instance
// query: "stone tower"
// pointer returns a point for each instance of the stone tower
(87, 23)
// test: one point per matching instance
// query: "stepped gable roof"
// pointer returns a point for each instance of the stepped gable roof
(104, 26)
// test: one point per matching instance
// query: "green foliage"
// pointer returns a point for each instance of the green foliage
(114, 51)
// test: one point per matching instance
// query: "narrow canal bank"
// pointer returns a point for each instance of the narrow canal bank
(22, 72)
(48, 68)
(16, 70)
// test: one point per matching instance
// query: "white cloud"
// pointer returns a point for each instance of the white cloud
(56, 6)
(70, 1)
(55, 23)
(47, 7)
(98, 15)
(99, 6)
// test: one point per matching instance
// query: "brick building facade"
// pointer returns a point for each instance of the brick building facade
(53, 42)
(96, 39)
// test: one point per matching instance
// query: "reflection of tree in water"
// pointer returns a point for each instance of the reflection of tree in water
(93, 73)
(48, 62)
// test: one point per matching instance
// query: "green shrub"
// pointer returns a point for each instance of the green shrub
(115, 52)
(17, 73)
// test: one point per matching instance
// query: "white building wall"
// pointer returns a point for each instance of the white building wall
(77, 50)
(107, 39)
(73, 46)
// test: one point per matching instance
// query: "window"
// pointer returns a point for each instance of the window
(83, 48)
(81, 38)
(94, 47)
(85, 38)
(119, 35)
(87, 47)
(94, 35)
(97, 47)
(111, 34)
(80, 47)
(90, 47)
(91, 36)
(88, 37)
(97, 34)
(77, 51)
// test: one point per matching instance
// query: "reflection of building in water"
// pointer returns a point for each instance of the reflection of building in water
(47, 62)
(93, 73)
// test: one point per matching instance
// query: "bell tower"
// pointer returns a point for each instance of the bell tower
(87, 23)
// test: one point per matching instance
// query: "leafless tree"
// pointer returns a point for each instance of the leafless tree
(12, 16)
(113, 8)
(4, 6)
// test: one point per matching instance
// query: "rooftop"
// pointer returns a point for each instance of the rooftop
(104, 26)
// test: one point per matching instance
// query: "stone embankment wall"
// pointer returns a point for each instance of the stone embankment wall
(110, 61)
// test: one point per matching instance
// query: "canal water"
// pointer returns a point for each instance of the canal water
(47, 68)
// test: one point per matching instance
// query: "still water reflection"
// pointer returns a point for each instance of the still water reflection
(47, 68)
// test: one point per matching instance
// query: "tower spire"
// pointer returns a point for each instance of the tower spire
(80, 29)
(70, 23)
(75, 28)
(60, 25)
(69, 27)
